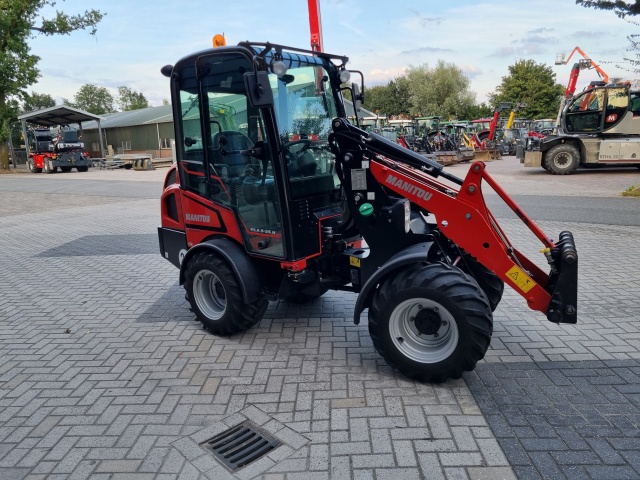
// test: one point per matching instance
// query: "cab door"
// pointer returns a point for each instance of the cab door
(225, 160)
(584, 114)
(596, 110)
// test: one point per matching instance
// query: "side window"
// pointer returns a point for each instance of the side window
(585, 112)
(617, 104)
(635, 103)
(192, 163)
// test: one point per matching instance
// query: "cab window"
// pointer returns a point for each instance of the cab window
(304, 108)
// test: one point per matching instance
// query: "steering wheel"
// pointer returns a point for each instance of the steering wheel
(306, 145)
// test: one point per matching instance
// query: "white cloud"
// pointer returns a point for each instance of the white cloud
(482, 38)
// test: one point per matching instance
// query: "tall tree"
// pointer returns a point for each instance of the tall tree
(36, 101)
(388, 100)
(532, 83)
(442, 90)
(19, 21)
(131, 100)
(478, 110)
(620, 7)
(93, 99)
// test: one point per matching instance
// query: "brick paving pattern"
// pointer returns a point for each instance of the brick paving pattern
(105, 374)
(564, 420)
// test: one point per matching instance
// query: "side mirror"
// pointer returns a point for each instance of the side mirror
(358, 90)
(258, 89)
(357, 100)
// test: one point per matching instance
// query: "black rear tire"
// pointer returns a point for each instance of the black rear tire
(562, 159)
(431, 322)
(32, 167)
(48, 168)
(83, 169)
(216, 297)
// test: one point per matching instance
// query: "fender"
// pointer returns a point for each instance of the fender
(549, 142)
(237, 260)
(411, 255)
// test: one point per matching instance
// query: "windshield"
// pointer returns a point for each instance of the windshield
(304, 107)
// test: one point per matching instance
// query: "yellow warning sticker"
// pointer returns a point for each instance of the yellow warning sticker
(354, 262)
(521, 279)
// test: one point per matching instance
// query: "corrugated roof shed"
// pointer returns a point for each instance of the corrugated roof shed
(59, 115)
(153, 115)
(131, 118)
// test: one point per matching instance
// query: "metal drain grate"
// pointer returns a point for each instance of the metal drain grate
(241, 445)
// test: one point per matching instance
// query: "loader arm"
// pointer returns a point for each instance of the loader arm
(464, 218)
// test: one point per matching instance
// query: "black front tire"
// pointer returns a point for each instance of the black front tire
(216, 297)
(431, 322)
(491, 284)
(562, 159)
(83, 169)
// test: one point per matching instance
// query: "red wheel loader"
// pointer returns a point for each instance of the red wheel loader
(287, 199)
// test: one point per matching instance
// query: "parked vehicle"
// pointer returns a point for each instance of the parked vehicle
(65, 151)
(600, 126)
(254, 216)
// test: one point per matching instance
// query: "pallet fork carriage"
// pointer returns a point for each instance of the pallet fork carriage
(276, 195)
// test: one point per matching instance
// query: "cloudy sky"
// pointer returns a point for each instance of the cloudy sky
(381, 38)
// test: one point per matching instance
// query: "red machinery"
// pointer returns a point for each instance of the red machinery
(249, 215)
(484, 138)
(66, 151)
(315, 25)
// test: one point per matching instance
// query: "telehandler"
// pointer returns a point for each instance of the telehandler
(276, 195)
(598, 127)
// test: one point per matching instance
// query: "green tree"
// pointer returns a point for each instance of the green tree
(19, 21)
(390, 100)
(442, 90)
(481, 110)
(93, 99)
(532, 83)
(37, 101)
(131, 100)
(620, 7)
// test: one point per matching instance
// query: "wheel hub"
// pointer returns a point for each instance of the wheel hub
(562, 159)
(428, 322)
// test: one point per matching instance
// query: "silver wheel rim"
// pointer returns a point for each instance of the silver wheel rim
(419, 347)
(562, 160)
(209, 294)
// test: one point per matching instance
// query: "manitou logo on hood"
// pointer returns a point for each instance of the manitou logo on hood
(198, 218)
(408, 187)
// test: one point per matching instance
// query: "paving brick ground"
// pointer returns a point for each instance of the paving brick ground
(105, 374)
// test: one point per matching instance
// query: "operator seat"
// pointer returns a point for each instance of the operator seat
(226, 147)
(229, 163)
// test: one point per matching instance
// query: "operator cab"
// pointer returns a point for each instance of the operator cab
(600, 109)
(267, 166)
